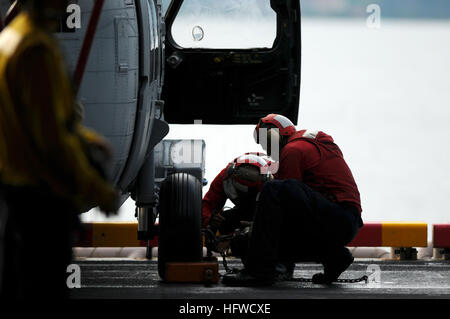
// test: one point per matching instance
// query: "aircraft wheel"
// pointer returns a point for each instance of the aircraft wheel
(180, 210)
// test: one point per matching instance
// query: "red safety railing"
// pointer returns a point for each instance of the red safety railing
(87, 44)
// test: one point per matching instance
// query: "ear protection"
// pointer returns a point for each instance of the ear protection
(248, 175)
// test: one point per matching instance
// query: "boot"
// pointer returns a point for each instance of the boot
(284, 271)
(334, 265)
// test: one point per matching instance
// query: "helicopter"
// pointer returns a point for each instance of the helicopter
(140, 76)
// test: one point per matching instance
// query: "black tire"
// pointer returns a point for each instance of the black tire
(180, 211)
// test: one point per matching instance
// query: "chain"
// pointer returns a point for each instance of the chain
(301, 279)
(228, 270)
(347, 281)
(225, 264)
(363, 278)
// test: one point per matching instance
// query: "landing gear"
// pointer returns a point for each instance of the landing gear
(180, 207)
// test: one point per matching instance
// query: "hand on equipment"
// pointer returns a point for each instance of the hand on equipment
(222, 246)
(246, 223)
(216, 220)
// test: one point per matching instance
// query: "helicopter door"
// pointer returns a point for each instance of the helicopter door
(231, 61)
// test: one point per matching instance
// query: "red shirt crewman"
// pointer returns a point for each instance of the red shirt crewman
(308, 213)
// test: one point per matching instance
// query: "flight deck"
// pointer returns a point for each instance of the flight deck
(138, 279)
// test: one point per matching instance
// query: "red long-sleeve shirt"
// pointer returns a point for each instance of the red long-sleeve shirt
(215, 198)
(314, 159)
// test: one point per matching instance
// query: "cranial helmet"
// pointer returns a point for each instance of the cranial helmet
(272, 133)
(282, 123)
(247, 173)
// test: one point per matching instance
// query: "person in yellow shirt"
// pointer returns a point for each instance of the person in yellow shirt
(47, 175)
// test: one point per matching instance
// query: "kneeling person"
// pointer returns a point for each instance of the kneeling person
(240, 181)
(308, 213)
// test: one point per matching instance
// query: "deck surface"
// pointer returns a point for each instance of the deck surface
(117, 279)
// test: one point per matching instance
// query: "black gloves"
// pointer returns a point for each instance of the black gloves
(216, 220)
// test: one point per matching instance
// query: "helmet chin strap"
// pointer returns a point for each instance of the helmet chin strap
(239, 187)
(230, 190)
(273, 141)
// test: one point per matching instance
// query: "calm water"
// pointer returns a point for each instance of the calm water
(384, 95)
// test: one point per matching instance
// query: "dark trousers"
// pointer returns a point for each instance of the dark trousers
(293, 223)
(37, 244)
(234, 216)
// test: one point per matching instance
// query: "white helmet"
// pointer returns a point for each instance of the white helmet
(248, 171)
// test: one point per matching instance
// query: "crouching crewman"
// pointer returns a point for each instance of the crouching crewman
(240, 181)
(308, 213)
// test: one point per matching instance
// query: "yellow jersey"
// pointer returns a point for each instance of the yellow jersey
(41, 138)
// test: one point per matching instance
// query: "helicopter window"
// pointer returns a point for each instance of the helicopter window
(157, 44)
(236, 24)
(153, 40)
